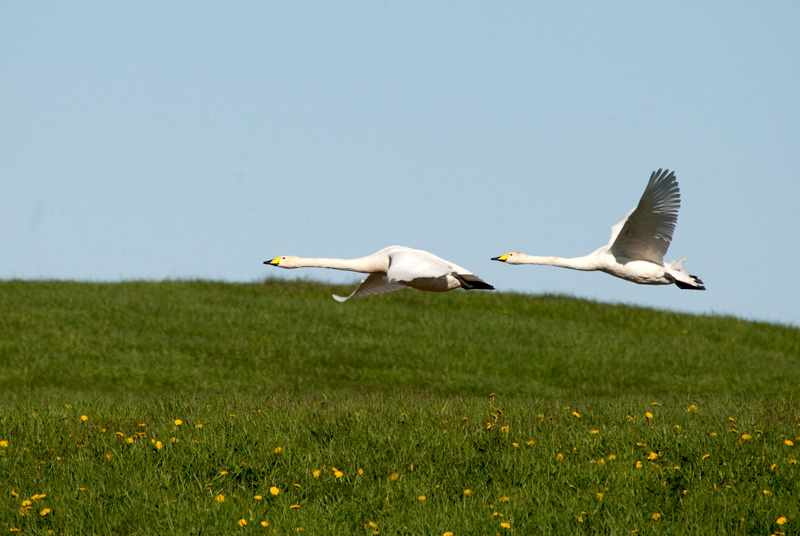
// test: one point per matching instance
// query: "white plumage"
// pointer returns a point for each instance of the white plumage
(638, 242)
(393, 268)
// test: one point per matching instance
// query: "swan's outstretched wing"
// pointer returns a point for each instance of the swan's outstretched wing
(646, 231)
(407, 264)
(372, 284)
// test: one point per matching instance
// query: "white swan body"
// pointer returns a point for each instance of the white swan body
(638, 242)
(393, 268)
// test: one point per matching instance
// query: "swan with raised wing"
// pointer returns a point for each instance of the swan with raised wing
(638, 242)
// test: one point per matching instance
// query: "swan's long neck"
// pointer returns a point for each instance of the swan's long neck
(575, 263)
(365, 265)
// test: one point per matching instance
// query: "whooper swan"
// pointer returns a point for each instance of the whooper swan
(638, 242)
(394, 268)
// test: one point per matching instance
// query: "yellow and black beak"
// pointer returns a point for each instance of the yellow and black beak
(501, 258)
(274, 262)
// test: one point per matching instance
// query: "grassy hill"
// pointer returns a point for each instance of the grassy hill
(175, 407)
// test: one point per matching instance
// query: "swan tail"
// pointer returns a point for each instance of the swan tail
(472, 282)
(682, 278)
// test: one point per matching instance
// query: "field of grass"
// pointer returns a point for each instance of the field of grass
(268, 408)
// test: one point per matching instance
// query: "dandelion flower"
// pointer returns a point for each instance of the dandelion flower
(37, 496)
(467, 491)
(595, 432)
(504, 428)
(360, 471)
(530, 442)
(577, 415)
(788, 442)
(84, 417)
(648, 415)
(505, 525)
(179, 422)
(600, 496)
(652, 456)
(559, 457)
(264, 524)
(223, 472)
(278, 450)
(257, 497)
(447, 533)
(338, 474)
(638, 463)
(294, 506)
(242, 522)
(781, 520)
(274, 490)
(503, 499)
(704, 456)
(159, 445)
(45, 511)
(394, 476)
(612, 456)
(199, 425)
(656, 516)
(220, 498)
(4, 443)
(421, 498)
(746, 436)
(372, 524)
(515, 445)
(315, 473)
(766, 492)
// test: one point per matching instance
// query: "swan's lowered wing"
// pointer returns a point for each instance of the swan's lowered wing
(372, 284)
(646, 231)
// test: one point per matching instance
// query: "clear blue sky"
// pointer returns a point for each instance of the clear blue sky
(198, 139)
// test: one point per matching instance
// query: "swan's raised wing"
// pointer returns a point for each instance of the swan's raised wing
(406, 264)
(372, 284)
(646, 231)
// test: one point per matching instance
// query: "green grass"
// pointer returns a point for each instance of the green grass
(541, 406)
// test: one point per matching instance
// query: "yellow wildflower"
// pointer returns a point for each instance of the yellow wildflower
(315, 473)
(274, 490)
(505, 525)
(595, 432)
(577, 415)
(704, 456)
(220, 498)
(278, 450)
(4, 443)
(84, 417)
(788, 442)
(242, 522)
(652, 456)
(467, 491)
(199, 425)
(45, 511)
(781, 520)
(294, 506)
(178, 422)
(264, 524)
(394, 476)
(338, 474)
(257, 497)
(638, 464)
(559, 457)
(648, 414)
(656, 516)
(746, 436)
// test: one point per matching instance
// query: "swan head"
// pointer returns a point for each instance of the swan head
(510, 258)
(284, 261)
